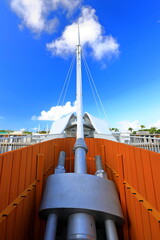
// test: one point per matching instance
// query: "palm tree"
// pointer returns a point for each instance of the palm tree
(130, 129)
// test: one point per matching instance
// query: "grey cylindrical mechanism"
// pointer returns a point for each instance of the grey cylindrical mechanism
(81, 226)
(111, 232)
(51, 226)
(100, 171)
(98, 163)
(80, 150)
(61, 161)
(80, 161)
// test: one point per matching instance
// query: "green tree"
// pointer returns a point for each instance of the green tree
(152, 130)
(130, 129)
(27, 132)
(142, 126)
(42, 132)
(158, 131)
(116, 130)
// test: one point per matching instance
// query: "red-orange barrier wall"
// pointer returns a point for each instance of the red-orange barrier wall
(23, 172)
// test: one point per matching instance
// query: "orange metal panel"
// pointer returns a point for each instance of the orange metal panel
(19, 223)
(1, 165)
(10, 225)
(155, 168)
(3, 227)
(127, 166)
(28, 166)
(14, 182)
(155, 232)
(139, 221)
(5, 180)
(133, 223)
(140, 169)
(34, 162)
(133, 168)
(149, 184)
(122, 195)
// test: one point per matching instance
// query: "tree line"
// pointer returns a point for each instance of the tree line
(152, 130)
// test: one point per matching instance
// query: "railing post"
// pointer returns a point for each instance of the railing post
(122, 195)
(10, 144)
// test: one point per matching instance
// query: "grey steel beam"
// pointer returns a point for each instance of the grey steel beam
(51, 227)
(81, 226)
(111, 232)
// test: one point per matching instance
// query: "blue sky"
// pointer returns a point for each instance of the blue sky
(124, 59)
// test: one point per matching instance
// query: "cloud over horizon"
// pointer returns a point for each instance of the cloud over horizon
(91, 35)
(124, 125)
(156, 124)
(56, 112)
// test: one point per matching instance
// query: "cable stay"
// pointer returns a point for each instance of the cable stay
(91, 86)
(91, 80)
(66, 82)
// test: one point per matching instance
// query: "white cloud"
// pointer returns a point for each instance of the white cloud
(22, 130)
(69, 5)
(35, 13)
(124, 125)
(155, 124)
(91, 34)
(56, 113)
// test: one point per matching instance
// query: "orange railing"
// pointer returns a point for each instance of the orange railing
(23, 172)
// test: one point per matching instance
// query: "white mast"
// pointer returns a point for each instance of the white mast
(80, 130)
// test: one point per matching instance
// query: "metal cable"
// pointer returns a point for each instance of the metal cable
(91, 85)
(69, 78)
(66, 79)
(96, 90)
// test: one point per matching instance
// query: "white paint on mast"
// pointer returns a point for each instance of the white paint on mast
(80, 130)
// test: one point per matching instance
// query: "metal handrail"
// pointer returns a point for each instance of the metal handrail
(146, 142)
(13, 143)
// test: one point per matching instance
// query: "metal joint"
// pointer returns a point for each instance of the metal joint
(80, 143)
